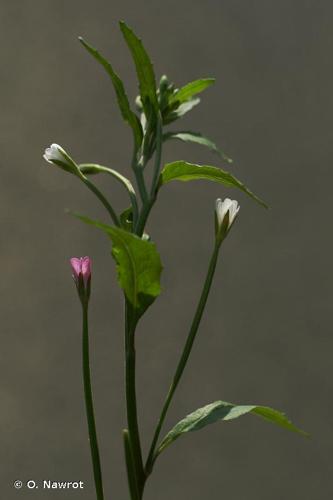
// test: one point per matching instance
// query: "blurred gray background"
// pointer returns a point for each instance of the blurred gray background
(266, 336)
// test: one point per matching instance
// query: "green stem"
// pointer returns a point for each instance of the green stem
(148, 204)
(132, 482)
(184, 357)
(92, 168)
(144, 216)
(138, 170)
(132, 418)
(89, 406)
(102, 198)
(138, 166)
(158, 156)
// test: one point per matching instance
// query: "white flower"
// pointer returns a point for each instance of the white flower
(54, 153)
(224, 207)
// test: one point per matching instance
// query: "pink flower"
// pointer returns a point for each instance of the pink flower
(81, 268)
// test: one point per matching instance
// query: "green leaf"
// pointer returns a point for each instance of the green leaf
(182, 101)
(185, 107)
(221, 410)
(195, 137)
(126, 219)
(183, 171)
(138, 265)
(191, 89)
(144, 69)
(128, 115)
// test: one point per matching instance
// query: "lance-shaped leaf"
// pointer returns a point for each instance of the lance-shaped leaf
(128, 115)
(144, 69)
(190, 89)
(223, 411)
(184, 171)
(178, 112)
(138, 265)
(196, 138)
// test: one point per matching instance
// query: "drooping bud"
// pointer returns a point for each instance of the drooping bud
(56, 155)
(81, 272)
(225, 214)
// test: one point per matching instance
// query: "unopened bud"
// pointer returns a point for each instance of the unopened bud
(81, 272)
(225, 214)
(138, 103)
(164, 83)
(56, 155)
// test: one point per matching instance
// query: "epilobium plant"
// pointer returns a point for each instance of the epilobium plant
(137, 259)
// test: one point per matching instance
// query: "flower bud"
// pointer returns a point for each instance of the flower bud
(225, 214)
(138, 103)
(81, 269)
(56, 155)
(164, 83)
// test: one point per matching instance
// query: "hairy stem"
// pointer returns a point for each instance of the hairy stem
(89, 406)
